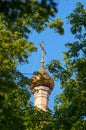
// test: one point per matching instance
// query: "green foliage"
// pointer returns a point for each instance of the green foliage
(14, 94)
(70, 104)
(29, 14)
(78, 21)
(57, 25)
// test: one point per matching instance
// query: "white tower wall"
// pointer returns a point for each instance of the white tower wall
(41, 97)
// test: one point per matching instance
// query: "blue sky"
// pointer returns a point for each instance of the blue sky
(54, 44)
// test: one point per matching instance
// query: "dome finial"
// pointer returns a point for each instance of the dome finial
(43, 52)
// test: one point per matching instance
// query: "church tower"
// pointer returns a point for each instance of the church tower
(42, 85)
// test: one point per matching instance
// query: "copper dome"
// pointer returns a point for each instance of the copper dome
(42, 79)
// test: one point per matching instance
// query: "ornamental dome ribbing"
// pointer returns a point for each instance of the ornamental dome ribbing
(42, 79)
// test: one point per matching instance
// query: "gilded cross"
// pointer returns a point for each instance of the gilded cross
(43, 50)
